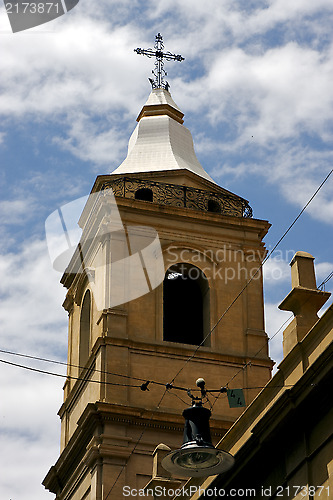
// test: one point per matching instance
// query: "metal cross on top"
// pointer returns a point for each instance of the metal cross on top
(159, 72)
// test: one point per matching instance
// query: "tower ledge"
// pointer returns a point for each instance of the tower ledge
(160, 102)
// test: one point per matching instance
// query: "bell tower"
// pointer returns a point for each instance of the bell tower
(164, 251)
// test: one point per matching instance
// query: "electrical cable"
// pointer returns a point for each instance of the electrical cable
(265, 260)
(326, 280)
(204, 340)
(45, 372)
(255, 274)
(137, 442)
(63, 363)
(216, 398)
(176, 395)
(279, 329)
(32, 369)
(143, 386)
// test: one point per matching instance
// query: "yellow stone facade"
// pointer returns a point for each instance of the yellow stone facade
(109, 427)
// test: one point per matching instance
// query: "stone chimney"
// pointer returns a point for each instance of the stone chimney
(304, 300)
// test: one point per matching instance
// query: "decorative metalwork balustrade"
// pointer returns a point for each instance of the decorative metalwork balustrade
(180, 196)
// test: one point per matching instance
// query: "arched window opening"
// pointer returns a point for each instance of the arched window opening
(186, 305)
(84, 346)
(214, 206)
(144, 194)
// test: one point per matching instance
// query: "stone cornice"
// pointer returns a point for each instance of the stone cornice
(72, 455)
(82, 450)
(161, 109)
(183, 351)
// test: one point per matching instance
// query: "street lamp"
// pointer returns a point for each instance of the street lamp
(197, 456)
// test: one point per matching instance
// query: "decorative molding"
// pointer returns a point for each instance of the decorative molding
(69, 301)
(161, 109)
(87, 276)
(192, 250)
(181, 196)
(255, 332)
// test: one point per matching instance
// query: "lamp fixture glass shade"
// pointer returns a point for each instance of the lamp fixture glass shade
(198, 462)
(197, 456)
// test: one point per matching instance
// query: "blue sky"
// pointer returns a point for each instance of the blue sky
(256, 89)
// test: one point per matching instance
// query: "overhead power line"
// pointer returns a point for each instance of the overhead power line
(254, 275)
(146, 383)
(236, 298)
(54, 374)
(170, 385)
(278, 330)
(63, 363)
(326, 280)
(207, 336)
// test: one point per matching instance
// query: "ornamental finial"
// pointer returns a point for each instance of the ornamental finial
(159, 72)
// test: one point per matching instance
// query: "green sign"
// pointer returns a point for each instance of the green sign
(236, 398)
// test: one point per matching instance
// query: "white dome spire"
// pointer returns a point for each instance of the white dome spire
(160, 141)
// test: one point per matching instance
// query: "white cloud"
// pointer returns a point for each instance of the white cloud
(78, 78)
(86, 141)
(80, 65)
(276, 271)
(283, 11)
(261, 69)
(30, 431)
(16, 211)
(300, 189)
(323, 269)
(85, 65)
(31, 317)
(31, 322)
(268, 96)
(280, 93)
(236, 21)
(274, 320)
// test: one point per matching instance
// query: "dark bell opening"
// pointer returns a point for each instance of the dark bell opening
(185, 305)
(144, 194)
(214, 206)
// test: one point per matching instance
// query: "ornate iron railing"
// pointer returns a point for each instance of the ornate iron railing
(181, 196)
